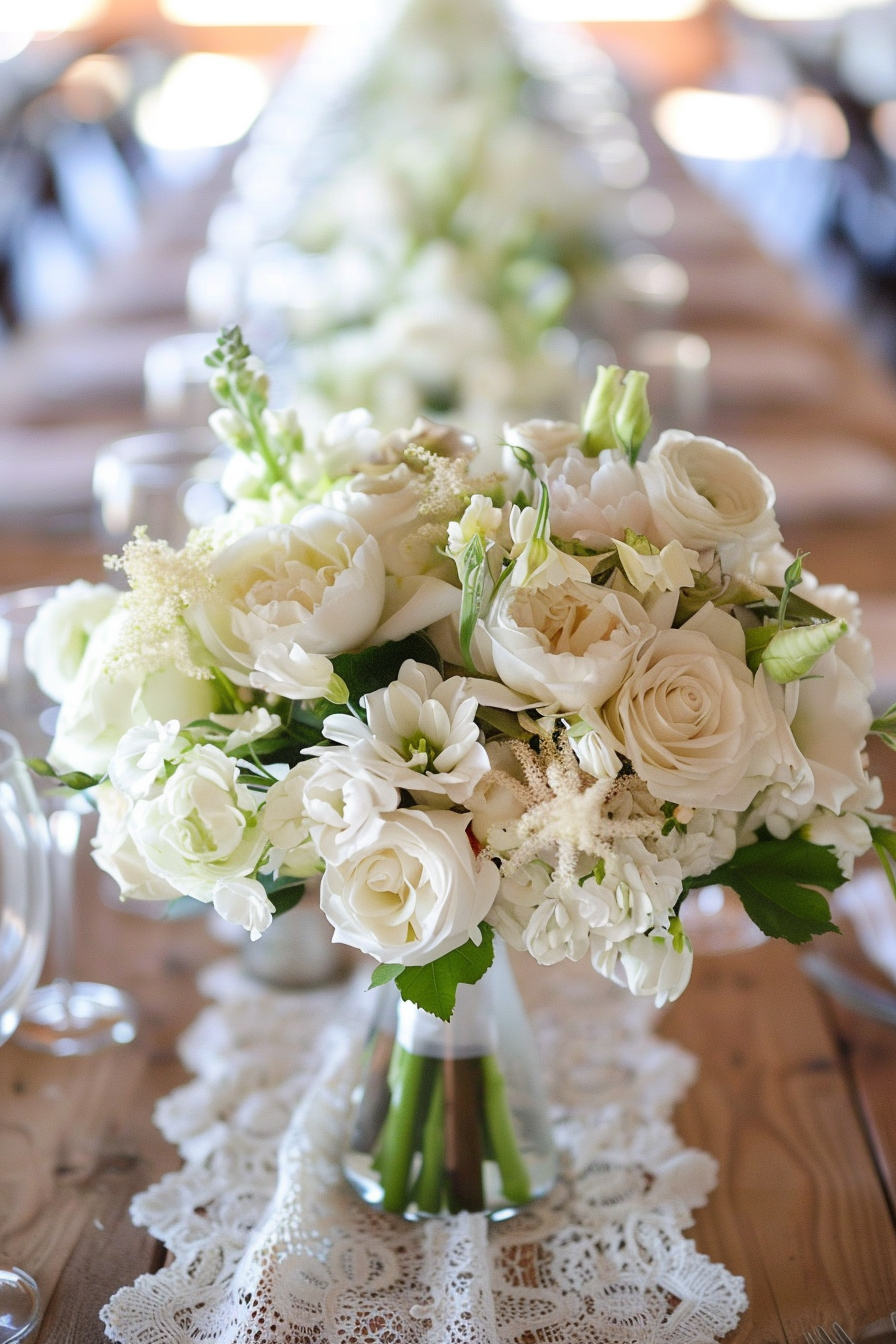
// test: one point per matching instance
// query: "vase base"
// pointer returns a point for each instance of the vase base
(364, 1179)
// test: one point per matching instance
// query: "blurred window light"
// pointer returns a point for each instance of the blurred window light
(95, 86)
(205, 100)
(817, 125)
(796, 11)
(264, 13)
(609, 11)
(707, 124)
(883, 124)
(49, 16)
(13, 41)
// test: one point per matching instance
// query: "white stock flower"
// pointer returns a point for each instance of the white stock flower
(286, 825)
(251, 726)
(421, 735)
(343, 805)
(707, 495)
(709, 841)
(244, 901)
(203, 827)
(494, 805)
(568, 646)
(557, 929)
(653, 966)
(318, 583)
(99, 708)
(115, 851)
(690, 718)
(415, 894)
(140, 755)
(630, 892)
(57, 638)
(848, 836)
(518, 897)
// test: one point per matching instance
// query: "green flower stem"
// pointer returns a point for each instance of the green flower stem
(265, 451)
(397, 1142)
(430, 1181)
(514, 1175)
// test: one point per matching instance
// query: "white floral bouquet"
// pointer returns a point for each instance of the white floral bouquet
(547, 702)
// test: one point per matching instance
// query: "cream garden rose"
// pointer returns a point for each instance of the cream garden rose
(569, 645)
(709, 496)
(414, 893)
(318, 583)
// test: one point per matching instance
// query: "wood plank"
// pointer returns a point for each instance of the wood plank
(799, 1211)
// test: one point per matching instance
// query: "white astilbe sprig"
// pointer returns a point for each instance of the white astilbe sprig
(567, 811)
(164, 583)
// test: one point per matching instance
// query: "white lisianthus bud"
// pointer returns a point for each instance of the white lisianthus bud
(244, 901)
(245, 728)
(297, 675)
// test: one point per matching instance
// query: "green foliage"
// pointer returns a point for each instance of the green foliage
(885, 727)
(374, 668)
(434, 987)
(284, 893)
(73, 779)
(776, 881)
(884, 842)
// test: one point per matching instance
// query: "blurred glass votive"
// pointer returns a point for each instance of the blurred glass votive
(166, 481)
(175, 381)
(678, 365)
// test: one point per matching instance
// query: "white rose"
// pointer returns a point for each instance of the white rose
(318, 583)
(116, 853)
(98, 708)
(690, 718)
(57, 638)
(244, 901)
(653, 966)
(203, 827)
(707, 495)
(421, 735)
(140, 755)
(567, 646)
(832, 719)
(415, 894)
(386, 502)
(595, 501)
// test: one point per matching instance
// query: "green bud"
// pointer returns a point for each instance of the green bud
(791, 654)
(631, 419)
(600, 411)
(639, 543)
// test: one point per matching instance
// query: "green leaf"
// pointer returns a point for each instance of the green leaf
(434, 987)
(73, 779)
(374, 668)
(799, 609)
(384, 975)
(885, 727)
(775, 881)
(503, 721)
(284, 893)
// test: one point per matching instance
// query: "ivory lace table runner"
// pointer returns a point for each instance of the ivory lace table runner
(271, 1247)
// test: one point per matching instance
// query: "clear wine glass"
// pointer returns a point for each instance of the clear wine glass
(167, 481)
(24, 926)
(67, 1016)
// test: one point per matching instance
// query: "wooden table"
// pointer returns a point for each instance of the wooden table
(796, 1097)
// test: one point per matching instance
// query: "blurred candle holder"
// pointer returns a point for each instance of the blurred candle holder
(175, 381)
(167, 481)
(678, 365)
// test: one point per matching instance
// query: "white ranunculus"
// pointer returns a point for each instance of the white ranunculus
(653, 966)
(57, 638)
(569, 646)
(244, 901)
(203, 827)
(690, 718)
(415, 894)
(707, 495)
(421, 735)
(140, 755)
(386, 502)
(99, 708)
(340, 805)
(318, 583)
(116, 853)
(596, 500)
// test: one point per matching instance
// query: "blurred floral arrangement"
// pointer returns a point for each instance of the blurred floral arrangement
(544, 702)
(429, 270)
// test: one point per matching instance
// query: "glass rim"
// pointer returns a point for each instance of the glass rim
(10, 752)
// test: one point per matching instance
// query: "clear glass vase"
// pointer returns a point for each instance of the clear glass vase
(451, 1116)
